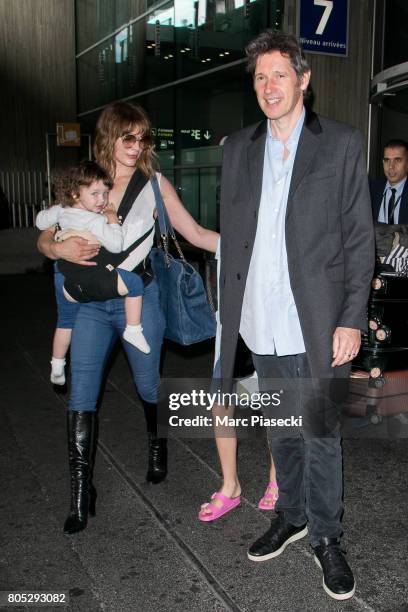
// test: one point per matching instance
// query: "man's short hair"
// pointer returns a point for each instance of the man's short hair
(273, 40)
(396, 142)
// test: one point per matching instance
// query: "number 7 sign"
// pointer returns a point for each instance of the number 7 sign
(328, 7)
(323, 26)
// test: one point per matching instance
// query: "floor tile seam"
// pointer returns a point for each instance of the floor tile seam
(25, 454)
(361, 603)
(189, 555)
(177, 440)
(364, 605)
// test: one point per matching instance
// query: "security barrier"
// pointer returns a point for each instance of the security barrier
(24, 195)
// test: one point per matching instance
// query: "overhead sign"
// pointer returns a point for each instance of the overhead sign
(68, 135)
(195, 137)
(189, 137)
(323, 26)
(164, 138)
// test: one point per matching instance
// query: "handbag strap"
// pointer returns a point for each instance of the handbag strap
(134, 187)
(165, 227)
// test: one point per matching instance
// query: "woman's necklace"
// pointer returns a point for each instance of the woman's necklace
(116, 207)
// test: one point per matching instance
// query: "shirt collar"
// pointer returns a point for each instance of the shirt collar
(398, 186)
(295, 135)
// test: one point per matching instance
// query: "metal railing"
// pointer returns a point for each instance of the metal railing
(25, 192)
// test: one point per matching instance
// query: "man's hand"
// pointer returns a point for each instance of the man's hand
(346, 344)
(77, 250)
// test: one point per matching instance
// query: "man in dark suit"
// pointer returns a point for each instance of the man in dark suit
(389, 196)
(297, 257)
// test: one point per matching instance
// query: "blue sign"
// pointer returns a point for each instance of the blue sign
(323, 26)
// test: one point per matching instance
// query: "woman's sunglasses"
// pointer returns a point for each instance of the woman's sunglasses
(129, 140)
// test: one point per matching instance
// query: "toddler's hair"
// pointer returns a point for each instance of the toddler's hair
(68, 184)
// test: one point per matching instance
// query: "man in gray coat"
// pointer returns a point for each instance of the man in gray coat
(297, 257)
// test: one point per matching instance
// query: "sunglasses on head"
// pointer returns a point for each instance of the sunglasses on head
(129, 140)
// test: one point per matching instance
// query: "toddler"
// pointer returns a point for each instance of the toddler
(84, 211)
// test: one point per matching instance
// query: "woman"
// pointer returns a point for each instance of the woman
(123, 147)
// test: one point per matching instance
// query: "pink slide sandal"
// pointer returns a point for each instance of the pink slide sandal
(216, 512)
(272, 496)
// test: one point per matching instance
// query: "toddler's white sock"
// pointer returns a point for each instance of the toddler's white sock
(57, 371)
(134, 335)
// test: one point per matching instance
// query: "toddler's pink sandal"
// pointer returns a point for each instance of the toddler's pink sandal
(216, 512)
(272, 496)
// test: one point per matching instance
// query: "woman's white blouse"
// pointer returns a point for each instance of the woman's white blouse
(139, 220)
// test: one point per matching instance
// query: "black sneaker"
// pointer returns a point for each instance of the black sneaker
(338, 579)
(276, 539)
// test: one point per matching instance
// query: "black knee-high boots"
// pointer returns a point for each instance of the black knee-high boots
(82, 436)
(82, 439)
(157, 453)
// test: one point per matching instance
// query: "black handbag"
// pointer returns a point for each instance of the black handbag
(189, 317)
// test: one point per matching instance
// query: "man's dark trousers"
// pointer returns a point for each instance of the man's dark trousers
(309, 470)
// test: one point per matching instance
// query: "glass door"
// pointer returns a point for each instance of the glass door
(199, 189)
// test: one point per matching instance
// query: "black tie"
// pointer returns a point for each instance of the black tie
(391, 205)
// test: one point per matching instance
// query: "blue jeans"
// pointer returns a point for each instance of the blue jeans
(133, 282)
(66, 311)
(97, 327)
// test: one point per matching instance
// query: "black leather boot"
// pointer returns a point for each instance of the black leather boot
(157, 453)
(81, 449)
